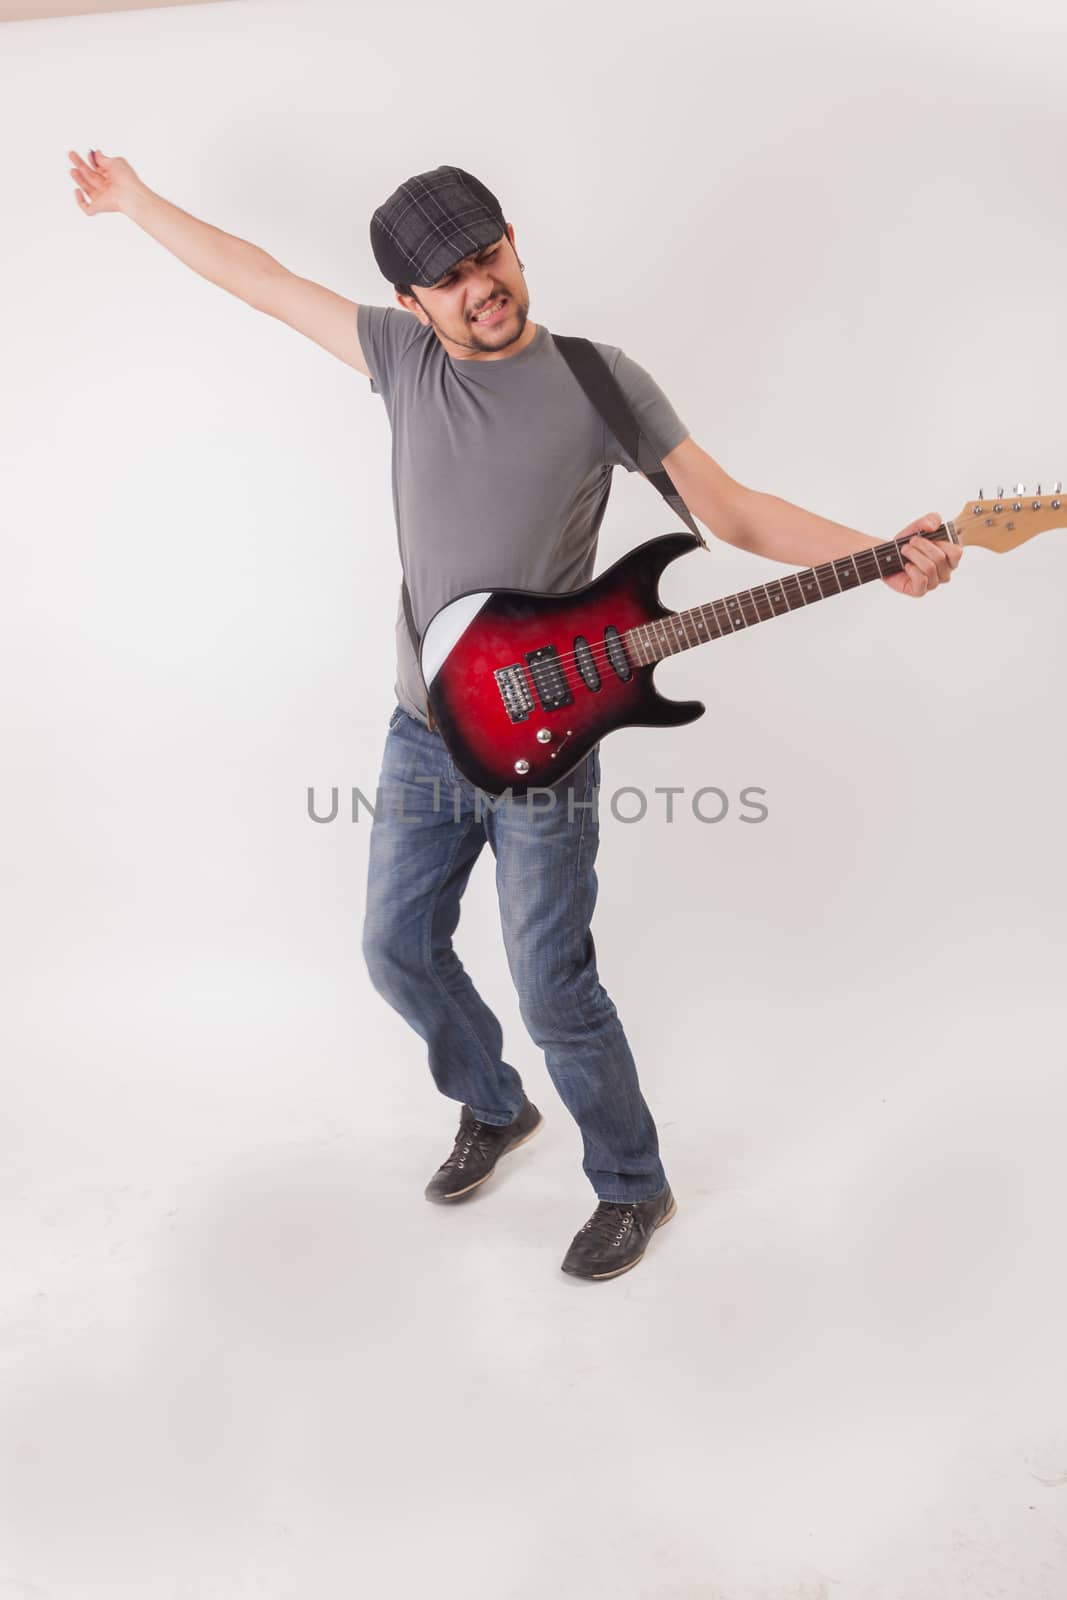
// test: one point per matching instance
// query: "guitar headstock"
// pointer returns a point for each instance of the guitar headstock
(1002, 521)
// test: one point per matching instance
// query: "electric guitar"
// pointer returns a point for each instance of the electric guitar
(522, 685)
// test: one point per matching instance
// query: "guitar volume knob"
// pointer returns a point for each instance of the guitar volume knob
(543, 735)
(522, 766)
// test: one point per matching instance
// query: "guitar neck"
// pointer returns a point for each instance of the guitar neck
(682, 630)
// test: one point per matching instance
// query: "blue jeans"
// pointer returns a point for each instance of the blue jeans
(428, 831)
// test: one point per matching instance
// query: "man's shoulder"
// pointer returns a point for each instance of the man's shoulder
(388, 336)
(659, 421)
(391, 324)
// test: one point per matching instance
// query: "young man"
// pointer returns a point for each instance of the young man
(501, 471)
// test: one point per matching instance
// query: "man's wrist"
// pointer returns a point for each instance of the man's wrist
(135, 202)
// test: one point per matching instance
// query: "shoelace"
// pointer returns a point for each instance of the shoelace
(609, 1221)
(471, 1134)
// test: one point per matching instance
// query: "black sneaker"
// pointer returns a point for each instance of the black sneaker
(478, 1148)
(617, 1235)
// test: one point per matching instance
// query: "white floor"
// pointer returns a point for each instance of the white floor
(243, 1356)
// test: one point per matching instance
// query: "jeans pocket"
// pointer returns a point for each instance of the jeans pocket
(395, 717)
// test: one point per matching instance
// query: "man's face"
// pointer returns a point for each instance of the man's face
(481, 305)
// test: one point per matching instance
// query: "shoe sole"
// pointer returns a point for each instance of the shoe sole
(637, 1261)
(457, 1194)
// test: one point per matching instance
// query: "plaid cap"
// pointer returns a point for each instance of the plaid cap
(432, 221)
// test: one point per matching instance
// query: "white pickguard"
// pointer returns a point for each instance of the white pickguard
(445, 631)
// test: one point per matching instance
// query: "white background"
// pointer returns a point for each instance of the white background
(241, 1355)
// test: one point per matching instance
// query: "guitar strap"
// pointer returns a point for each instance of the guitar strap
(602, 389)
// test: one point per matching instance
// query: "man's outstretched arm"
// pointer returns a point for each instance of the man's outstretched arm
(782, 531)
(109, 183)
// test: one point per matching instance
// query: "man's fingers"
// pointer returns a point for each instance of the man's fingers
(90, 181)
(927, 562)
(928, 524)
(945, 563)
(922, 551)
(922, 566)
(944, 556)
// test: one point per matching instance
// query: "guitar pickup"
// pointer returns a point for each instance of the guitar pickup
(514, 691)
(546, 670)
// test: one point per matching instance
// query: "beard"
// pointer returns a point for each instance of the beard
(499, 338)
(493, 339)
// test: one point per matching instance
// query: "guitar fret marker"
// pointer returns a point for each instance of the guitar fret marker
(682, 630)
(489, 647)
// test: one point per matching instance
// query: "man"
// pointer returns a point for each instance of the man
(500, 474)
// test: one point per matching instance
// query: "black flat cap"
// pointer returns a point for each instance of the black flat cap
(432, 221)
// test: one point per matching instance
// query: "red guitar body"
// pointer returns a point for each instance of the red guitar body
(522, 685)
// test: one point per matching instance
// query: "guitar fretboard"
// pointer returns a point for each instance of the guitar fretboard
(682, 630)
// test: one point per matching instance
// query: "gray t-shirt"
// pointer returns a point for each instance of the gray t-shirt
(501, 469)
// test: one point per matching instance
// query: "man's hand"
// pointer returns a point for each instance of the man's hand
(926, 562)
(103, 183)
(108, 183)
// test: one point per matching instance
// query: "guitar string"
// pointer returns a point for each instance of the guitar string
(601, 654)
(568, 658)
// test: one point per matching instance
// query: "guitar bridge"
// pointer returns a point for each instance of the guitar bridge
(514, 691)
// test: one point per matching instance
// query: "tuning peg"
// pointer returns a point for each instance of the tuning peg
(1020, 488)
(981, 496)
(1038, 489)
(1056, 486)
(1000, 491)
